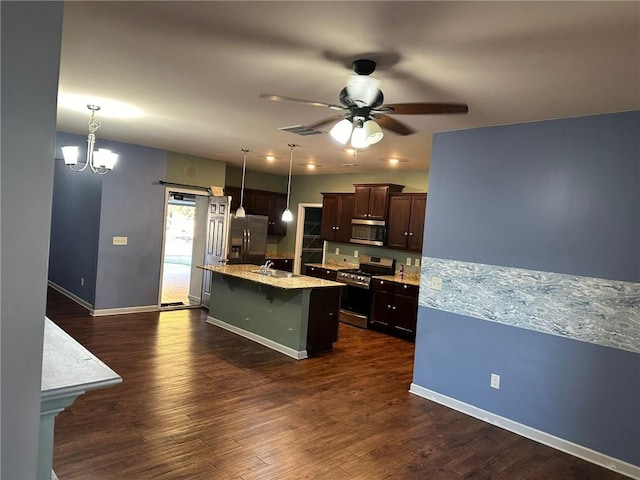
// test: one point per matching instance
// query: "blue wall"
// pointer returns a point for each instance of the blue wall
(89, 210)
(556, 196)
(73, 252)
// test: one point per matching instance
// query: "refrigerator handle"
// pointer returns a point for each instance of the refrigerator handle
(248, 241)
(243, 252)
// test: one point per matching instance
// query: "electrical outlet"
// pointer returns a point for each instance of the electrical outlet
(416, 262)
(355, 253)
(337, 251)
(436, 283)
(408, 261)
(495, 381)
(120, 240)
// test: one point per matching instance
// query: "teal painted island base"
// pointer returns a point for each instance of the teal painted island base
(296, 315)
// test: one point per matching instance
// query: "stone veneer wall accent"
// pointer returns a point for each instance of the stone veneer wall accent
(600, 311)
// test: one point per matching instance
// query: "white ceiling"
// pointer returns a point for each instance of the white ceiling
(193, 71)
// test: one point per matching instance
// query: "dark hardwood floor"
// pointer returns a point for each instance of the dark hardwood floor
(198, 402)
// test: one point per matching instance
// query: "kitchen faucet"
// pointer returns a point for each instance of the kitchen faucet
(267, 265)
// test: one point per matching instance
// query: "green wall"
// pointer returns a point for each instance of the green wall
(257, 180)
(190, 170)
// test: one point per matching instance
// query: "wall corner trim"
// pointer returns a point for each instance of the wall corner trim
(290, 352)
(566, 446)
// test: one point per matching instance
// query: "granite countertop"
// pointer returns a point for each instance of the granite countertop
(408, 279)
(287, 282)
(68, 368)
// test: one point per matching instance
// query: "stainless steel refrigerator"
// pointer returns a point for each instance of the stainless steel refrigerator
(248, 239)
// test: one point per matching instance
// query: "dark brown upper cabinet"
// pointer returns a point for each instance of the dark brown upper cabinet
(406, 221)
(372, 200)
(337, 212)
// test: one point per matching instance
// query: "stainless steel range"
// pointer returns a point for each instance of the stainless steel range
(355, 303)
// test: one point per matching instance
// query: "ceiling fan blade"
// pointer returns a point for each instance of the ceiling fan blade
(331, 119)
(394, 125)
(427, 108)
(280, 98)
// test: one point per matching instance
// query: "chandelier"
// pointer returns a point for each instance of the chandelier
(100, 161)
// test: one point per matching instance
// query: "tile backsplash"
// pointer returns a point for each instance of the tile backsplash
(348, 252)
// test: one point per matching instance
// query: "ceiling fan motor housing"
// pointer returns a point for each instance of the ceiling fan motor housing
(363, 66)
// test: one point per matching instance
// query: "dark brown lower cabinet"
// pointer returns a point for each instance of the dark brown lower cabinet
(322, 330)
(394, 307)
(320, 272)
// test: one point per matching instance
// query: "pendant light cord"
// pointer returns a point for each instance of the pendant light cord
(244, 167)
(291, 145)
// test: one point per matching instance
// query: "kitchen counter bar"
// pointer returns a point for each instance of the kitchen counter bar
(286, 282)
(296, 315)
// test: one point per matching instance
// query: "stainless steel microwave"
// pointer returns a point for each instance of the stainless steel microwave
(368, 232)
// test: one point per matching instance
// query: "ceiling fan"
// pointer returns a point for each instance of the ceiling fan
(362, 110)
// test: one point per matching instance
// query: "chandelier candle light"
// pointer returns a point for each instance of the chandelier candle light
(287, 216)
(100, 161)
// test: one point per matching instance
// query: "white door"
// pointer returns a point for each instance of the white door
(216, 246)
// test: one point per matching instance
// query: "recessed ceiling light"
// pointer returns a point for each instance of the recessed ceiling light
(270, 158)
(393, 161)
(311, 166)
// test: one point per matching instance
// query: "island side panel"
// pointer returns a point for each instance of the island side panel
(275, 314)
(323, 319)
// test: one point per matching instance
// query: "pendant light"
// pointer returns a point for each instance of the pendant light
(287, 216)
(240, 211)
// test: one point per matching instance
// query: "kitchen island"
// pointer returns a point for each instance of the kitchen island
(294, 314)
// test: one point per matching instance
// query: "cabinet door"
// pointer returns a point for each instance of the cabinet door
(378, 198)
(277, 205)
(361, 206)
(416, 223)
(405, 312)
(381, 307)
(399, 221)
(329, 217)
(346, 205)
(260, 203)
(234, 192)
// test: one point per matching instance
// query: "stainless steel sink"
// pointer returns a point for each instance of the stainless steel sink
(275, 273)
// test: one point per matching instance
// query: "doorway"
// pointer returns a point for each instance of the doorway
(182, 249)
(309, 246)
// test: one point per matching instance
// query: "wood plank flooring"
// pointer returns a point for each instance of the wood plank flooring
(198, 402)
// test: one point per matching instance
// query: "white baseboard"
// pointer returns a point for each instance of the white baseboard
(68, 294)
(103, 311)
(124, 310)
(298, 355)
(193, 300)
(566, 446)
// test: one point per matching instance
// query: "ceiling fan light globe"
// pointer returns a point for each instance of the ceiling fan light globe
(287, 216)
(341, 131)
(70, 155)
(363, 89)
(359, 138)
(372, 131)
